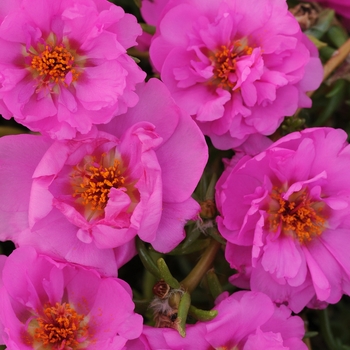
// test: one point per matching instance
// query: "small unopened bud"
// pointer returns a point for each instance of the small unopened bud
(208, 209)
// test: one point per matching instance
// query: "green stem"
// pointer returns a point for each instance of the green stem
(203, 265)
(326, 330)
(210, 194)
(337, 59)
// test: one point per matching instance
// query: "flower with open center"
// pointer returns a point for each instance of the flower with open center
(238, 67)
(285, 214)
(58, 306)
(87, 199)
(63, 75)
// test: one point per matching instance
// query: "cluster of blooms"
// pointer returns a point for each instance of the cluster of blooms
(119, 158)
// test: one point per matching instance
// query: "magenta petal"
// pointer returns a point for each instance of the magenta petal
(321, 284)
(112, 296)
(180, 172)
(171, 227)
(264, 340)
(19, 156)
(277, 257)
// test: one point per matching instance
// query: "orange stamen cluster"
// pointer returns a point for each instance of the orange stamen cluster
(61, 327)
(93, 181)
(299, 215)
(224, 63)
(53, 64)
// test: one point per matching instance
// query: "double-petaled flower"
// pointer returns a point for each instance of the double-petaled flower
(238, 67)
(64, 66)
(55, 305)
(285, 215)
(86, 199)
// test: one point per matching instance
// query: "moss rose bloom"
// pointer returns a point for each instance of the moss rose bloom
(238, 67)
(54, 305)
(83, 198)
(64, 66)
(285, 215)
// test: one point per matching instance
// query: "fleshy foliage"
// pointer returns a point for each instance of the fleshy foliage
(285, 215)
(238, 67)
(64, 66)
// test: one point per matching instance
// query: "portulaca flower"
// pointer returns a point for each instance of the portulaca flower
(238, 67)
(64, 66)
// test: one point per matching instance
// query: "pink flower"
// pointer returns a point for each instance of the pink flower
(89, 79)
(238, 67)
(82, 198)
(285, 215)
(340, 6)
(55, 305)
(245, 320)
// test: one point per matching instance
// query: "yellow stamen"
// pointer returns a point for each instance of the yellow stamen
(54, 63)
(92, 182)
(299, 216)
(224, 63)
(60, 327)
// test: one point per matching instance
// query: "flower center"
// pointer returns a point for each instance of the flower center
(299, 215)
(92, 181)
(54, 63)
(224, 63)
(60, 327)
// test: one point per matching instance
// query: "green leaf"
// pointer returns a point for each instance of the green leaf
(324, 22)
(310, 334)
(318, 43)
(184, 306)
(337, 36)
(202, 315)
(166, 274)
(213, 283)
